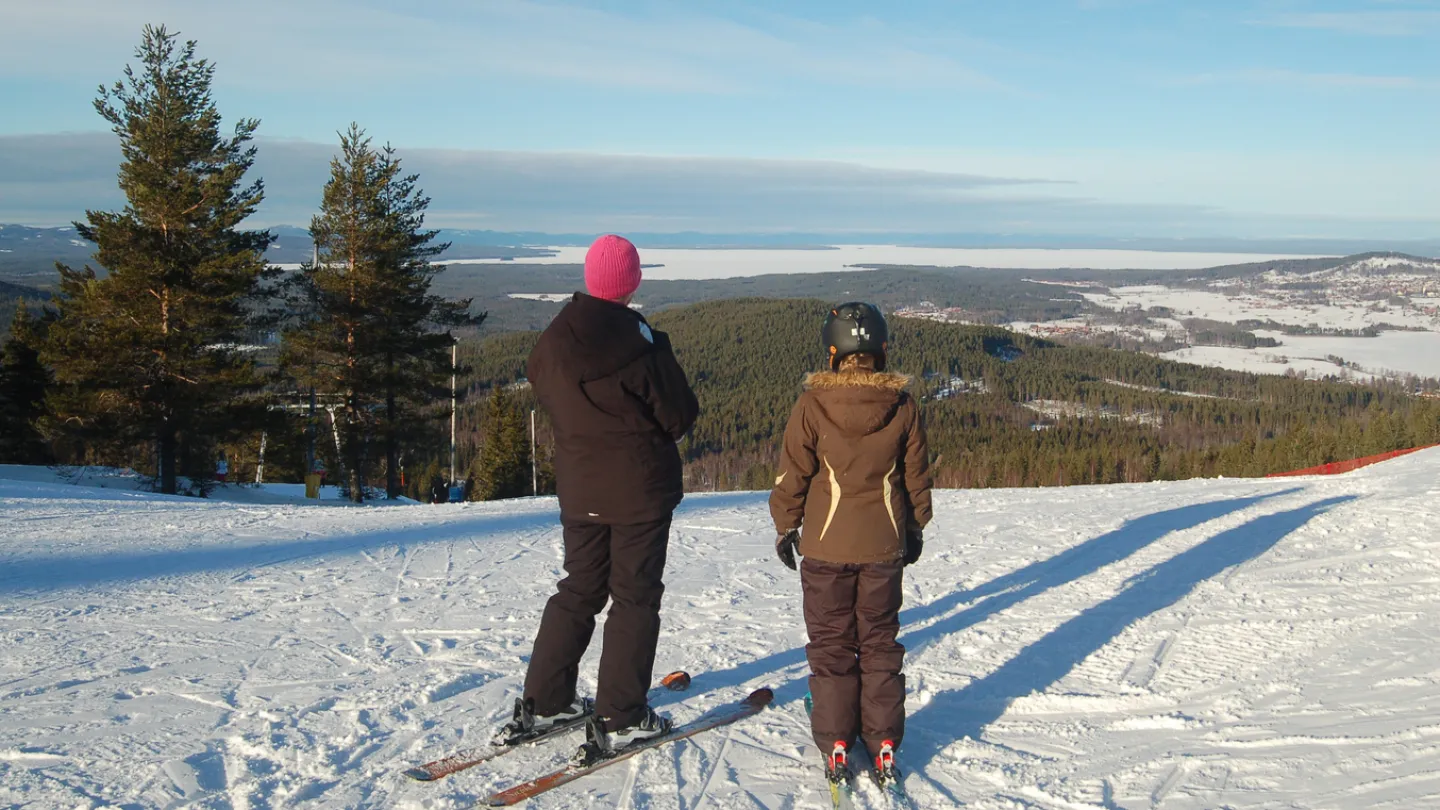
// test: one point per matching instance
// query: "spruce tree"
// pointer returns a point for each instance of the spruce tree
(146, 356)
(371, 332)
(24, 381)
(502, 469)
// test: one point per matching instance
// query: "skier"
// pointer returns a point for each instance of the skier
(852, 499)
(619, 403)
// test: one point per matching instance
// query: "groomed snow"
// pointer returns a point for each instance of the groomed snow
(1202, 644)
(129, 481)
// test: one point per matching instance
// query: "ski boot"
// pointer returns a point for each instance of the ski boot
(527, 725)
(885, 773)
(601, 744)
(837, 765)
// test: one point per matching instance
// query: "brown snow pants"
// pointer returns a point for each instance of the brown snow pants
(852, 613)
(621, 564)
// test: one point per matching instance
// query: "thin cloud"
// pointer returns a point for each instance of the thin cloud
(1399, 23)
(48, 179)
(1295, 78)
(53, 179)
(390, 45)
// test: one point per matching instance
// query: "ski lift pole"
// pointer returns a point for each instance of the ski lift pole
(454, 356)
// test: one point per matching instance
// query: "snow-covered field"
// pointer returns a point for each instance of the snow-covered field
(1202, 644)
(549, 298)
(1269, 361)
(1411, 352)
(1388, 352)
(1235, 307)
(690, 264)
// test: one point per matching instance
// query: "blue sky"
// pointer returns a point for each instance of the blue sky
(1123, 117)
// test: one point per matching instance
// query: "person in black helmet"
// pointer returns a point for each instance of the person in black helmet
(852, 498)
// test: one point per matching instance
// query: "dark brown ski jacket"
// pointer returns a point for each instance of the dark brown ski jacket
(854, 468)
(619, 403)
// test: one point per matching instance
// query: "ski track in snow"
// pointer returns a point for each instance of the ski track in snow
(1213, 643)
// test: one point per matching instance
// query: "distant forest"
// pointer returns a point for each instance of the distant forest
(10, 297)
(1131, 417)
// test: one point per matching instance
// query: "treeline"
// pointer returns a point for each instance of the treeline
(11, 297)
(153, 364)
(1135, 417)
(990, 296)
(1205, 332)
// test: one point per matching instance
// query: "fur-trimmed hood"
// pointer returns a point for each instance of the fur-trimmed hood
(830, 380)
(858, 403)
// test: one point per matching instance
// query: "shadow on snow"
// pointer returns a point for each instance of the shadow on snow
(967, 712)
(44, 573)
(1072, 564)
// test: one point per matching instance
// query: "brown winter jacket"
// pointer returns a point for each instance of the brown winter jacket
(854, 469)
(619, 402)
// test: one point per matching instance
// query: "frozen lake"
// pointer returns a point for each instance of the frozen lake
(692, 264)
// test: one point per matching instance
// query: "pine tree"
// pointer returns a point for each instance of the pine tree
(502, 470)
(147, 355)
(24, 381)
(370, 328)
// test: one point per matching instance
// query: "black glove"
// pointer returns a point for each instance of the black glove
(914, 544)
(785, 546)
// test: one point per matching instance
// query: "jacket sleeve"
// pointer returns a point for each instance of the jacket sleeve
(798, 464)
(917, 470)
(667, 391)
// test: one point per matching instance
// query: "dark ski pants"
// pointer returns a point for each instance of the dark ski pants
(852, 613)
(621, 564)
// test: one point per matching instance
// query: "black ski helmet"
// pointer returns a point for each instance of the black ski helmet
(853, 328)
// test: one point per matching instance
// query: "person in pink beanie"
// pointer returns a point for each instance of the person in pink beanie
(612, 269)
(619, 402)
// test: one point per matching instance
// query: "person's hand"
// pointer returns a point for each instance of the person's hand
(785, 547)
(914, 544)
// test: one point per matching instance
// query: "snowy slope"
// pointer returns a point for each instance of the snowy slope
(130, 481)
(1202, 644)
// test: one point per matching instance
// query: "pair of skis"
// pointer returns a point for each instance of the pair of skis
(753, 703)
(842, 785)
(677, 681)
(842, 789)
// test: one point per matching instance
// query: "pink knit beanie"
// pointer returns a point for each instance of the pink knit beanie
(612, 268)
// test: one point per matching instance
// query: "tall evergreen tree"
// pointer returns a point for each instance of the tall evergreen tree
(147, 355)
(502, 469)
(23, 384)
(371, 332)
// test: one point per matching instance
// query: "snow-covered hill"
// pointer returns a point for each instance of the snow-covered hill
(1371, 264)
(1203, 644)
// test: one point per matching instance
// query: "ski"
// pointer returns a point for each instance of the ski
(842, 787)
(677, 681)
(886, 776)
(842, 794)
(892, 787)
(888, 780)
(753, 703)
